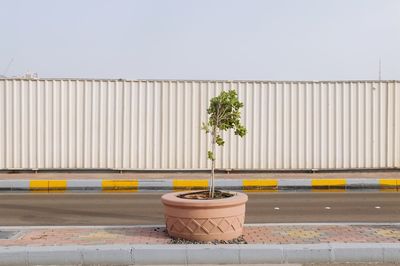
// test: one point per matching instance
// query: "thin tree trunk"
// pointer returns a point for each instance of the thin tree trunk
(212, 188)
(212, 179)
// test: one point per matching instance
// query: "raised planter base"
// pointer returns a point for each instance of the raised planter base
(205, 220)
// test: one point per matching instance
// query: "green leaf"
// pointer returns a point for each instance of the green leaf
(211, 156)
(205, 127)
(219, 141)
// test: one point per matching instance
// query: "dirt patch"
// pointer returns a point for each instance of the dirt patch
(239, 240)
(204, 195)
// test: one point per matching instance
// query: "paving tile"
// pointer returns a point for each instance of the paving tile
(285, 234)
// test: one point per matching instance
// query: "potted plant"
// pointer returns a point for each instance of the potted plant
(212, 214)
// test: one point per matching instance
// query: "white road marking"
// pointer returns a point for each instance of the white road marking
(327, 208)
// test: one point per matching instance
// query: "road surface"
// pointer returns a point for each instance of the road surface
(146, 208)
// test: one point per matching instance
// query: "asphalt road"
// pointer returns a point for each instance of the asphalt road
(146, 208)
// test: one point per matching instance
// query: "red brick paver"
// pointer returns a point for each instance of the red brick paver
(312, 234)
(268, 234)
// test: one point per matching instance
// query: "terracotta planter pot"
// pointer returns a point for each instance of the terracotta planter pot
(205, 220)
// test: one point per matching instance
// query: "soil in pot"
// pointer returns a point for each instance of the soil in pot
(239, 240)
(204, 195)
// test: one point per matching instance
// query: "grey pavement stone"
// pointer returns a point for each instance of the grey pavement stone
(199, 254)
(6, 185)
(362, 183)
(14, 185)
(257, 254)
(391, 254)
(13, 256)
(229, 184)
(154, 184)
(159, 254)
(306, 253)
(288, 183)
(54, 256)
(358, 252)
(226, 254)
(108, 256)
(84, 184)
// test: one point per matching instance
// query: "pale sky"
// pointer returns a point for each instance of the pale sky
(203, 39)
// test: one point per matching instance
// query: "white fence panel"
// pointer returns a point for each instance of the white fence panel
(155, 124)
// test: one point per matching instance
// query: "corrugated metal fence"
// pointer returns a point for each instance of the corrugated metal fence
(156, 124)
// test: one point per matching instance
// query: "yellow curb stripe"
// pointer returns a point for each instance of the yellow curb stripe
(389, 184)
(47, 185)
(181, 184)
(57, 185)
(328, 183)
(114, 185)
(262, 185)
(39, 185)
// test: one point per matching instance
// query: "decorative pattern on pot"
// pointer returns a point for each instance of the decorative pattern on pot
(211, 226)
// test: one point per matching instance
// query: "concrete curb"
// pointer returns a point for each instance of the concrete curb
(199, 254)
(247, 185)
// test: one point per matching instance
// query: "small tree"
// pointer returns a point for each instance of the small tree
(223, 114)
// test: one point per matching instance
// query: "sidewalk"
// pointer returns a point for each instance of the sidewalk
(253, 234)
(203, 175)
(267, 243)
